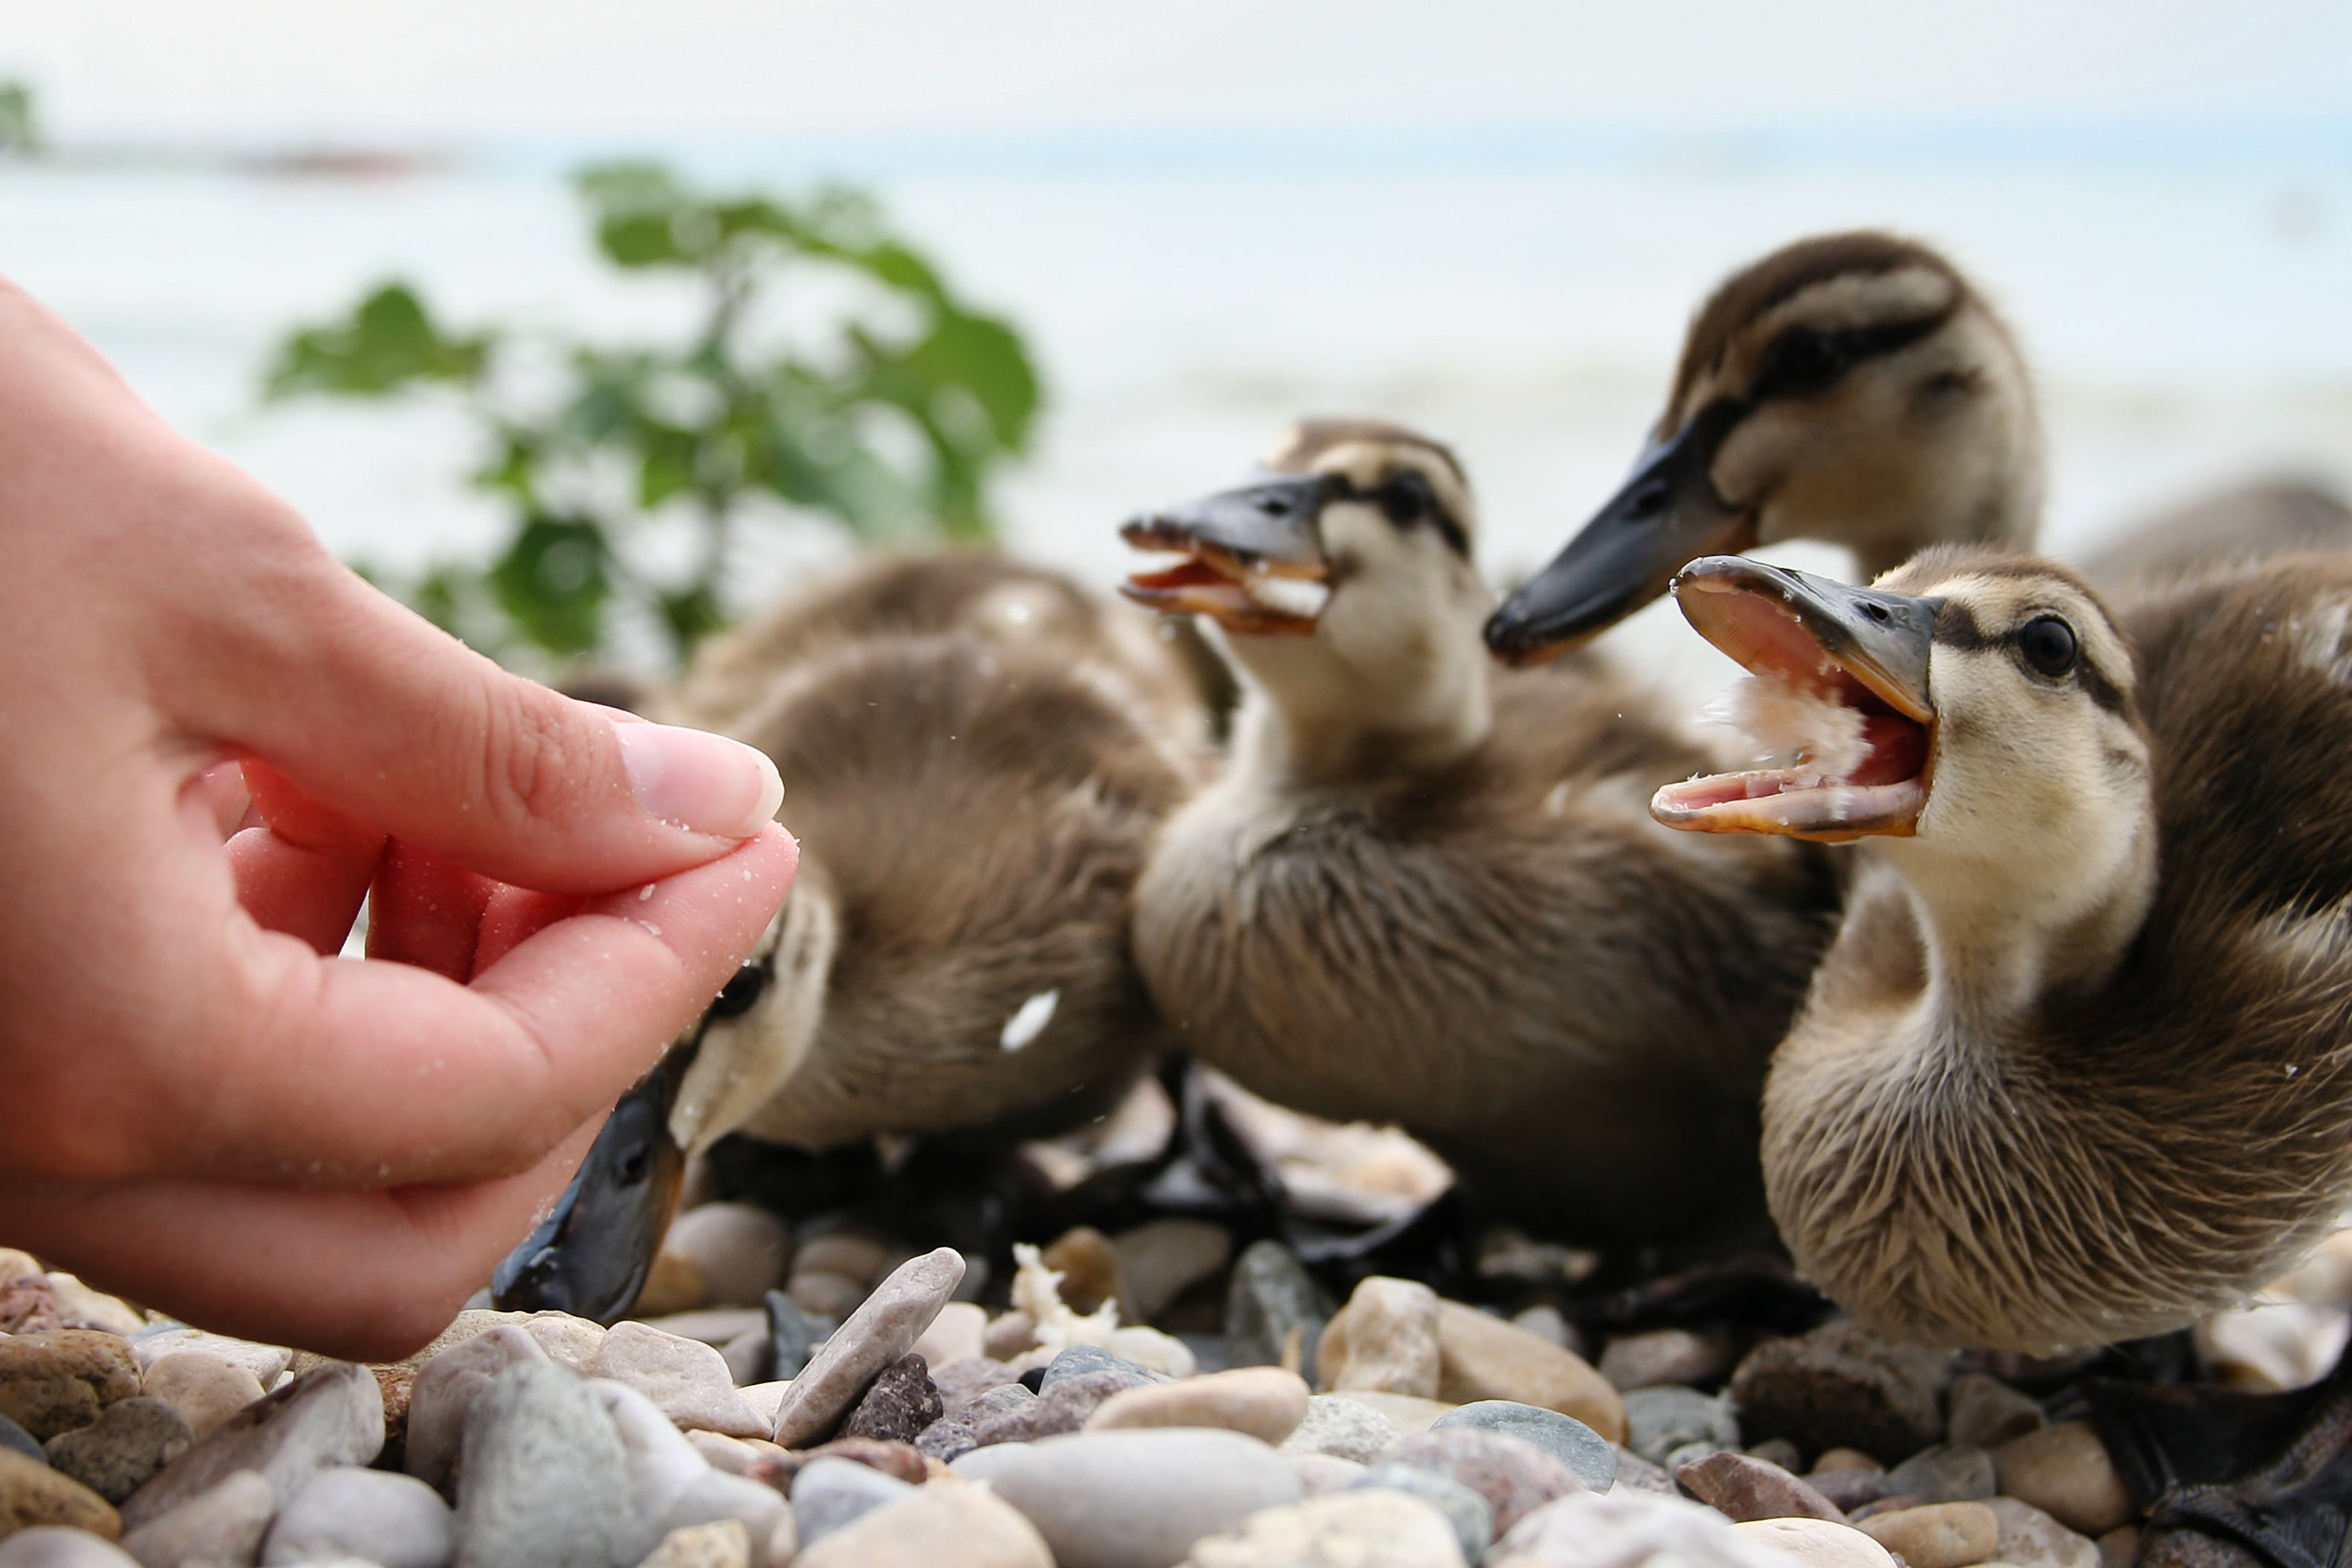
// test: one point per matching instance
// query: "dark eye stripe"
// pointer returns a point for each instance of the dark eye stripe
(1854, 344)
(1448, 529)
(1957, 628)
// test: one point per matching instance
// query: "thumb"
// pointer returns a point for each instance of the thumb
(373, 712)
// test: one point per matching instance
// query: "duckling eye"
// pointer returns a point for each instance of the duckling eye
(2048, 645)
(1806, 361)
(742, 990)
(1405, 497)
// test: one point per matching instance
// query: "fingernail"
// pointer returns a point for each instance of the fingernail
(700, 782)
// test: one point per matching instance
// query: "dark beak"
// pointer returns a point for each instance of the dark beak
(1667, 514)
(590, 1255)
(1267, 526)
(1884, 640)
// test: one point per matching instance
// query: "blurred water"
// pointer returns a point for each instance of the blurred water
(2187, 315)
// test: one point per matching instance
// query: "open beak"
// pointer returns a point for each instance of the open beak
(1666, 514)
(1840, 681)
(590, 1255)
(1254, 557)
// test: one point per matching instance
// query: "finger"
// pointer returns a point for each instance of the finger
(391, 721)
(367, 1276)
(375, 1074)
(306, 871)
(220, 797)
(427, 910)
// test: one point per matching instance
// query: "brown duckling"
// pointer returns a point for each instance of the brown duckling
(2076, 1067)
(1858, 389)
(977, 756)
(1425, 892)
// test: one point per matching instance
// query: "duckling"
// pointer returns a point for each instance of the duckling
(2075, 1068)
(1424, 890)
(977, 756)
(1854, 388)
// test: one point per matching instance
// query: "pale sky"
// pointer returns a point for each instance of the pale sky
(481, 68)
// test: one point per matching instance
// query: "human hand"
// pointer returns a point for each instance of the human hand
(201, 1106)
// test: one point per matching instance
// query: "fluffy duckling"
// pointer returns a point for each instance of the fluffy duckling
(1424, 891)
(2076, 1067)
(977, 756)
(1858, 389)
(1849, 387)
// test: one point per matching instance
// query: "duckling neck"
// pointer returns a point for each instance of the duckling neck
(1309, 719)
(2003, 932)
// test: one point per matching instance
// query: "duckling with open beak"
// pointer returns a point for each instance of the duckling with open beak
(1425, 890)
(2075, 1068)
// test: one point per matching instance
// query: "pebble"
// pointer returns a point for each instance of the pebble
(2064, 1471)
(445, 1392)
(204, 1387)
(1061, 1409)
(1471, 1516)
(732, 1455)
(1379, 1528)
(568, 1340)
(14, 1436)
(741, 1249)
(966, 1526)
(17, 1264)
(1404, 1412)
(1629, 1528)
(1660, 1420)
(331, 1417)
(1513, 1475)
(1779, 1451)
(1850, 1488)
(396, 1521)
(55, 1546)
(712, 1497)
(723, 1543)
(821, 1293)
(27, 1308)
(1140, 1500)
(1079, 1360)
(1320, 1473)
(1818, 1544)
(879, 1332)
(956, 1334)
(546, 1476)
(1593, 1456)
(1384, 1340)
(130, 1441)
(961, 1381)
(267, 1363)
(1480, 1356)
(1089, 1268)
(830, 1494)
(747, 1356)
(1159, 1261)
(2118, 1547)
(58, 1379)
(1266, 1401)
(79, 1307)
(902, 1401)
(1939, 1535)
(657, 1460)
(1947, 1472)
(1342, 1428)
(1008, 1335)
(688, 1381)
(891, 1458)
(674, 1284)
(1842, 1385)
(1984, 1412)
(31, 1493)
(222, 1523)
(854, 1256)
(1548, 1324)
(793, 1337)
(2031, 1539)
(1745, 1487)
(1638, 1473)
(1847, 1460)
(712, 1326)
(1665, 1355)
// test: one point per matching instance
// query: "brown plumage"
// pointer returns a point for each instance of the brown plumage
(975, 755)
(1425, 892)
(2079, 1064)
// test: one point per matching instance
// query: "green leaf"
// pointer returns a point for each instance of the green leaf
(389, 342)
(553, 581)
(667, 466)
(689, 614)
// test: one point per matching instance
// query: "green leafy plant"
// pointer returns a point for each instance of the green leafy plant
(20, 121)
(888, 417)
